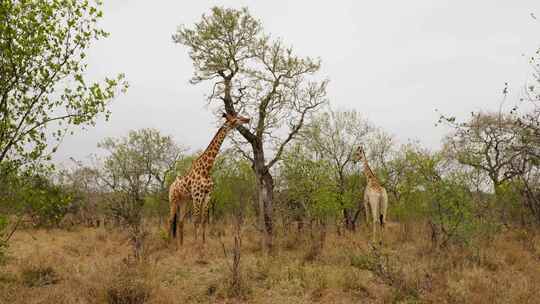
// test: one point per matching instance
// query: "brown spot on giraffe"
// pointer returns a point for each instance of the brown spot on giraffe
(196, 185)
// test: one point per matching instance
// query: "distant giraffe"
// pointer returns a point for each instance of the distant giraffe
(375, 197)
(196, 185)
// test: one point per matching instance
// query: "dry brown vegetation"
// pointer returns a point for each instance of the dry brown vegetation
(94, 265)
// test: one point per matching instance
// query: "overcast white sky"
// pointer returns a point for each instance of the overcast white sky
(393, 61)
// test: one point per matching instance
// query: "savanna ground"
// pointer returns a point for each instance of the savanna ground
(94, 265)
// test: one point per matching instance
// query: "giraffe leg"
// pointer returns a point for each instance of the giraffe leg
(204, 216)
(173, 216)
(197, 202)
(374, 213)
(383, 207)
(196, 228)
(366, 208)
(200, 200)
(181, 219)
(203, 224)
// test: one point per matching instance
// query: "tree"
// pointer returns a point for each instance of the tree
(234, 184)
(38, 197)
(428, 187)
(134, 170)
(312, 190)
(333, 137)
(43, 90)
(252, 73)
(486, 142)
(137, 167)
(86, 205)
(528, 123)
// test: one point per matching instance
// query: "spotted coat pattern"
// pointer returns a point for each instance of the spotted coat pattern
(195, 187)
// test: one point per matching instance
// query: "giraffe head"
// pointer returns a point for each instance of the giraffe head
(359, 154)
(235, 120)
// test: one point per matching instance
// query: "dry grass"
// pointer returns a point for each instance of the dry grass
(95, 266)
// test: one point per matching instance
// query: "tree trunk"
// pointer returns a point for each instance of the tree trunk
(265, 189)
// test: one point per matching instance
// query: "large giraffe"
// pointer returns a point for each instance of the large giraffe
(196, 185)
(375, 197)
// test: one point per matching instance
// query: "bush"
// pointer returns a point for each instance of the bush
(39, 276)
(451, 214)
(234, 186)
(428, 187)
(48, 206)
(310, 187)
(128, 290)
(364, 262)
(36, 196)
(352, 281)
(3, 236)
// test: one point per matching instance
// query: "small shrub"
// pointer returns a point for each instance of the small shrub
(312, 254)
(291, 242)
(3, 242)
(318, 281)
(352, 281)
(38, 276)
(7, 278)
(388, 270)
(3, 256)
(451, 213)
(237, 286)
(480, 257)
(364, 262)
(401, 296)
(164, 235)
(318, 238)
(128, 290)
(297, 273)
(262, 270)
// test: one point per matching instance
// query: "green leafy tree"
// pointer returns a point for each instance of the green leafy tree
(134, 173)
(429, 189)
(333, 137)
(234, 185)
(411, 170)
(262, 77)
(310, 184)
(43, 90)
(136, 170)
(312, 192)
(43, 201)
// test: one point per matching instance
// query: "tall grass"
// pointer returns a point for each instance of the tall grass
(90, 265)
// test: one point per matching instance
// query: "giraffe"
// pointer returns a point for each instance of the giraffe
(196, 185)
(375, 196)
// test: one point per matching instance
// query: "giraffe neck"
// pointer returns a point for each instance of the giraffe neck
(204, 163)
(370, 176)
